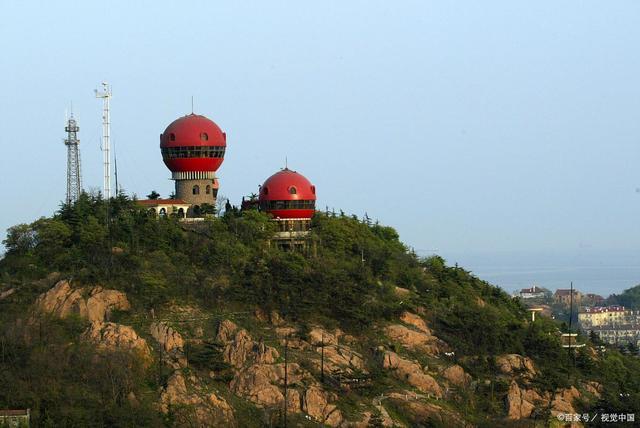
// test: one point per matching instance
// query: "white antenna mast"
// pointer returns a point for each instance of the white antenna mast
(106, 134)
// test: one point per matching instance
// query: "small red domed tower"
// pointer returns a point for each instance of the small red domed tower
(291, 199)
(193, 148)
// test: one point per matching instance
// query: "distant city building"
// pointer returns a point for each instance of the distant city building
(533, 293)
(607, 315)
(618, 335)
(15, 418)
(563, 296)
(614, 325)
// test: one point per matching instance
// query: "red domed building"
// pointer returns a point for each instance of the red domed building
(193, 149)
(290, 198)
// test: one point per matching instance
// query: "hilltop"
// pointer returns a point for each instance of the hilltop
(144, 321)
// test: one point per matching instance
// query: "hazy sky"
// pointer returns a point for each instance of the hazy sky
(486, 130)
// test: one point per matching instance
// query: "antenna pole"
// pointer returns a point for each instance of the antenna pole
(105, 94)
(115, 169)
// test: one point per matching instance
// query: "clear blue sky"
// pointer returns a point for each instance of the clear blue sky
(490, 131)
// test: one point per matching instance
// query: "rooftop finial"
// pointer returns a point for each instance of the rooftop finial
(191, 104)
(286, 163)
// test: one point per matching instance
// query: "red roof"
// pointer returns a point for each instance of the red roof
(194, 131)
(288, 186)
(599, 309)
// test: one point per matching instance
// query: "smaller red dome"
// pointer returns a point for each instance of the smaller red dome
(193, 143)
(288, 194)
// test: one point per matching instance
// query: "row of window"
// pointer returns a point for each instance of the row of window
(294, 225)
(292, 190)
(208, 190)
(203, 136)
(193, 152)
(288, 205)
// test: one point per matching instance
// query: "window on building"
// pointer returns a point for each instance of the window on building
(204, 136)
(292, 190)
(172, 137)
(208, 190)
(196, 190)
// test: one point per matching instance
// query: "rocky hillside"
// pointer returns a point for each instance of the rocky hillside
(144, 322)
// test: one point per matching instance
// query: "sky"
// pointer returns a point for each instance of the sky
(502, 135)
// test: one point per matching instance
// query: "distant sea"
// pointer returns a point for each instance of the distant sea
(602, 273)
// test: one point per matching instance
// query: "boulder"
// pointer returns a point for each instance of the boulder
(415, 321)
(226, 331)
(456, 376)
(340, 358)
(192, 408)
(521, 402)
(593, 388)
(261, 383)
(515, 364)
(422, 413)
(111, 336)
(316, 404)
(318, 335)
(416, 340)
(286, 331)
(62, 300)
(412, 373)
(101, 302)
(272, 317)
(7, 293)
(243, 349)
(563, 401)
(171, 343)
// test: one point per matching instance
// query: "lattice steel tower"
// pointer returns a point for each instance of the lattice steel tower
(74, 177)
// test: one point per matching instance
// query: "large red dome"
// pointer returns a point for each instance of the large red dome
(288, 194)
(193, 143)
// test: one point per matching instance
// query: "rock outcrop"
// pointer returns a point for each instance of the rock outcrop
(95, 304)
(112, 337)
(316, 404)
(7, 293)
(417, 337)
(262, 383)
(416, 321)
(456, 376)
(240, 348)
(515, 364)
(171, 343)
(226, 330)
(562, 401)
(423, 413)
(192, 406)
(521, 401)
(412, 373)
